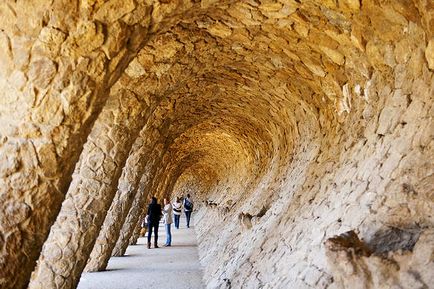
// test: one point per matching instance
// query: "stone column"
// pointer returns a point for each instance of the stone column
(134, 214)
(57, 64)
(136, 233)
(140, 163)
(58, 60)
(132, 192)
(73, 234)
(127, 190)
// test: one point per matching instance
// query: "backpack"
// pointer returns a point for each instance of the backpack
(188, 205)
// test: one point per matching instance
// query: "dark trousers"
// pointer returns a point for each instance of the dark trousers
(188, 216)
(155, 227)
(177, 221)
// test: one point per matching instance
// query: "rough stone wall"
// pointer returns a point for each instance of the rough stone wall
(91, 192)
(135, 215)
(148, 82)
(143, 163)
(54, 75)
(290, 122)
(367, 166)
(136, 235)
(59, 59)
(347, 144)
(132, 186)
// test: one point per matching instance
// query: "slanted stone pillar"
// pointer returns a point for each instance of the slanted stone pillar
(132, 190)
(73, 234)
(58, 61)
(121, 205)
(57, 64)
(133, 216)
(136, 233)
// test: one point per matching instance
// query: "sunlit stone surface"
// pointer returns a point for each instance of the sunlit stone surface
(290, 122)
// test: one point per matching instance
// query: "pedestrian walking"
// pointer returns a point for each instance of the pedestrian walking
(177, 209)
(188, 208)
(154, 216)
(168, 220)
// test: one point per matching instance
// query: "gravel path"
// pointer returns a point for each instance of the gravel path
(164, 268)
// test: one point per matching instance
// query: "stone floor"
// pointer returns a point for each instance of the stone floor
(164, 268)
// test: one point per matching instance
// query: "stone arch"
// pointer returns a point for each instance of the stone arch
(145, 81)
(91, 192)
(55, 76)
(335, 136)
(351, 149)
(132, 185)
(133, 116)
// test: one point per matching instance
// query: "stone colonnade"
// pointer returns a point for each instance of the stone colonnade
(291, 122)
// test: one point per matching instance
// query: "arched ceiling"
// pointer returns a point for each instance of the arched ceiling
(245, 88)
(241, 97)
(244, 70)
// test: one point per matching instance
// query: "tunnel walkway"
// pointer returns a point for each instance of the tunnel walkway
(155, 268)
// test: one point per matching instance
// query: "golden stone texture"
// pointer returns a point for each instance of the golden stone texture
(289, 121)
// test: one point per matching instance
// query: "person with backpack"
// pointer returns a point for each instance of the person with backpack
(154, 216)
(177, 207)
(188, 208)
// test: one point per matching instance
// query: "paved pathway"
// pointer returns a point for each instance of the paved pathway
(164, 268)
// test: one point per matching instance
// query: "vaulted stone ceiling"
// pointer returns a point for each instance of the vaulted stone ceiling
(290, 122)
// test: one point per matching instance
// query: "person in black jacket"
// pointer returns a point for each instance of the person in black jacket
(154, 216)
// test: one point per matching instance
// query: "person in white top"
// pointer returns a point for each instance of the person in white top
(167, 219)
(177, 208)
(188, 208)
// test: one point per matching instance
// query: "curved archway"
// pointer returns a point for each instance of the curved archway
(315, 117)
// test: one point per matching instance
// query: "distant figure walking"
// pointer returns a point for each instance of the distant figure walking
(154, 216)
(188, 208)
(168, 220)
(177, 208)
